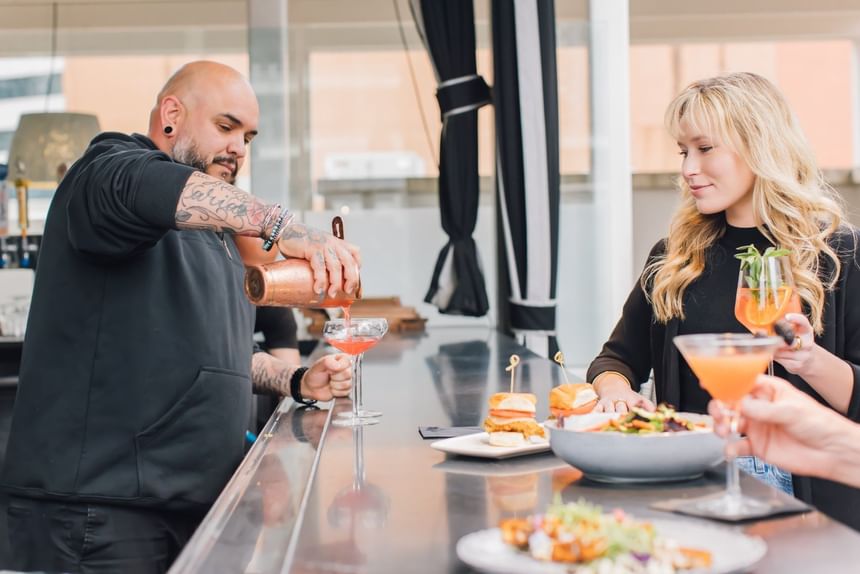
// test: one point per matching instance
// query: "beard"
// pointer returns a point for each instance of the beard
(230, 163)
(185, 152)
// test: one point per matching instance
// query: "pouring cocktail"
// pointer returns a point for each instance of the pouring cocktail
(354, 337)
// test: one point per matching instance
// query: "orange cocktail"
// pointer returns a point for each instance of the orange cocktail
(759, 309)
(727, 365)
(728, 377)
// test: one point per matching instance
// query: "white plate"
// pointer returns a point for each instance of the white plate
(478, 444)
(732, 551)
(514, 467)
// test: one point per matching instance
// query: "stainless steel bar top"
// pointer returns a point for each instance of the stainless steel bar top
(313, 497)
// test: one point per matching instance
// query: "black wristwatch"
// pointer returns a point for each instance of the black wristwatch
(296, 387)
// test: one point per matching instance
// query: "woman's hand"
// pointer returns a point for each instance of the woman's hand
(616, 396)
(798, 357)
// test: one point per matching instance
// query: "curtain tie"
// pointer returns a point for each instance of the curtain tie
(462, 94)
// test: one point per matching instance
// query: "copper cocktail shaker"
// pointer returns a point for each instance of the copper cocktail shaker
(290, 283)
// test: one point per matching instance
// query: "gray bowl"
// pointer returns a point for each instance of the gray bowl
(617, 457)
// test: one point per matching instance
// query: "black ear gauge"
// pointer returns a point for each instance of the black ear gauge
(168, 129)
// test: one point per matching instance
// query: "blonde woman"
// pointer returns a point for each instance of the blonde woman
(748, 177)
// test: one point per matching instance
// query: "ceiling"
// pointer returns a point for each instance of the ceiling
(135, 26)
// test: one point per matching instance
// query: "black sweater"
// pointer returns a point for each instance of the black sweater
(135, 377)
(640, 343)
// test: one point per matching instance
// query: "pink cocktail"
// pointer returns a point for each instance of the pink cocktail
(354, 337)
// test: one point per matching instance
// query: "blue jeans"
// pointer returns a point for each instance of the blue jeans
(767, 473)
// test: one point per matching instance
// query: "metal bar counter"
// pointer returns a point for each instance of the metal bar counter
(312, 497)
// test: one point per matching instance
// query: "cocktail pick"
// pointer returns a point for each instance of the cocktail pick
(514, 361)
(559, 358)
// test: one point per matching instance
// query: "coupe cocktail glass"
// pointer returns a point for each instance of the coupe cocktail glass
(727, 365)
(354, 337)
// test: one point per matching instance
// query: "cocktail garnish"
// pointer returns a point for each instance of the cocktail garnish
(753, 260)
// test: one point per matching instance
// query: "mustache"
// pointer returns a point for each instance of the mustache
(227, 161)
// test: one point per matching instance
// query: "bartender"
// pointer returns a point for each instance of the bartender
(137, 368)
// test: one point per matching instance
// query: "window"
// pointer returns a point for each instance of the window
(30, 86)
(814, 76)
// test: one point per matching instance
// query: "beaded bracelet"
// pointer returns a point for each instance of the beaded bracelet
(276, 230)
(269, 217)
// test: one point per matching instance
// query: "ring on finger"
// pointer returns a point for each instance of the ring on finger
(797, 344)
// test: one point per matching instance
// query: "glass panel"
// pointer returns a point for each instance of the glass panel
(659, 72)
(110, 59)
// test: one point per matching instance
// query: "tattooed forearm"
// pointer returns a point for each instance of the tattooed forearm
(299, 231)
(207, 203)
(271, 376)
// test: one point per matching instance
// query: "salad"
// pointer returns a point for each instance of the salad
(639, 421)
(581, 534)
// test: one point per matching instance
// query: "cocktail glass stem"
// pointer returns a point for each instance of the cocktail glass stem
(356, 376)
(733, 482)
(356, 417)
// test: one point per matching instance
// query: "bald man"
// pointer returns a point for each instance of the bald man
(137, 370)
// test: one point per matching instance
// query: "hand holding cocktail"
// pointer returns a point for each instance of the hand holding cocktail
(797, 358)
(327, 378)
(353, 337)
(727, 366)
(787, 427)
(766, 289)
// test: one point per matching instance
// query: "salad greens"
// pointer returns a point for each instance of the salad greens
(589, 541)
(639, 421)
(616, 533)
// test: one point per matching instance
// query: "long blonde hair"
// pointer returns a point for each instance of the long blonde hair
(794, 207)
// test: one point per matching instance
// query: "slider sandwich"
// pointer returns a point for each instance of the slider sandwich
(572, 399)
(511, 421)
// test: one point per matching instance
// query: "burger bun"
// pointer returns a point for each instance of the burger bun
(509, 439)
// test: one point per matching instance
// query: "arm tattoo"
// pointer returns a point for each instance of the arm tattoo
(271, 376)
(299, 231)
(210, 204)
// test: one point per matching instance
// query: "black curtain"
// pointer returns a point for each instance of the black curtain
(525, 96)
(448, 30)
